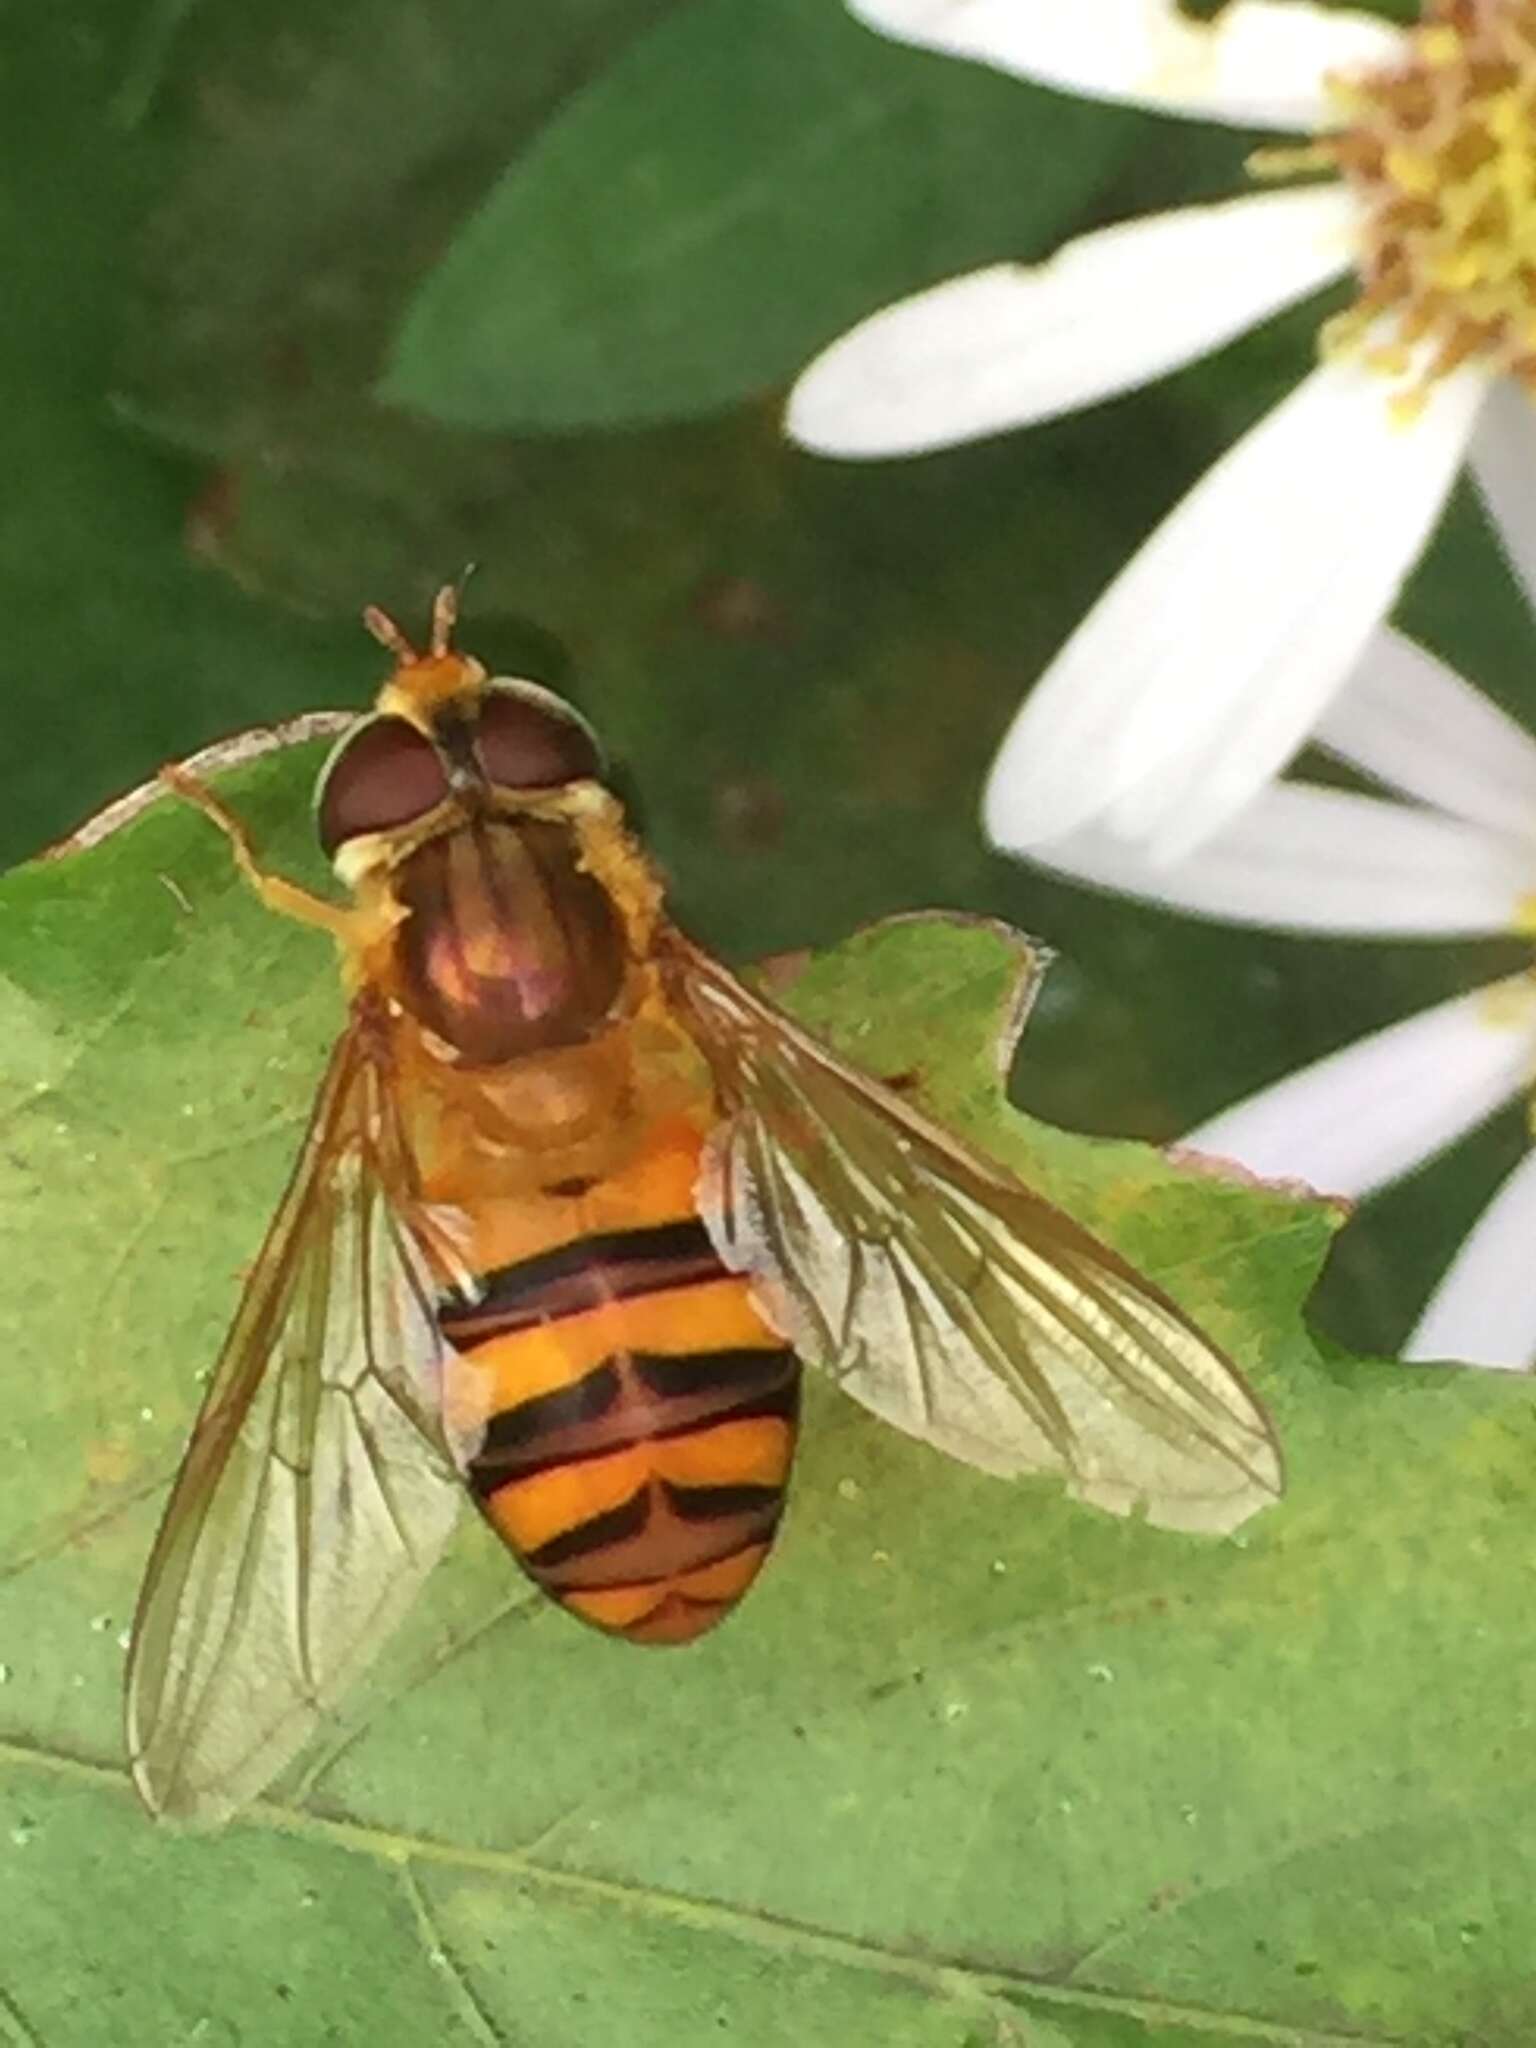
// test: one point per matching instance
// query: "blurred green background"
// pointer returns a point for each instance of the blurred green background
(311, 307)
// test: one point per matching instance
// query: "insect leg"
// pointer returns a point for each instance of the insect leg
(288, 899)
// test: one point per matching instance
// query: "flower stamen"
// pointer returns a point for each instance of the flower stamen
(1440, 151)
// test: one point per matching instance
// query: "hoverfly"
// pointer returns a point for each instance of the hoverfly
(573, 1204)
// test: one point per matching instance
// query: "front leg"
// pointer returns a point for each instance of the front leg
(346, 924)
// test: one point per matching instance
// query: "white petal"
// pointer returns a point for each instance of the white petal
(1369, 1114)
(1300, 858)
(1262, 63)
(1484, 1310)
(1504, 463)
(1407, 719)
(1011, 344)
(1202, 668)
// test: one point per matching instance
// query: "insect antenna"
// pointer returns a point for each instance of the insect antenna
(445, 616)
(445, 609)
(389, 635)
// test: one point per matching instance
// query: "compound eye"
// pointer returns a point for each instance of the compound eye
(528, 738)
(384, 776)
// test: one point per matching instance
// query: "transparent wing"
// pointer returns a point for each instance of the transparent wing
(316, 1492)
(948, 1298)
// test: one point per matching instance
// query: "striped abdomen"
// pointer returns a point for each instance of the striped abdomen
(638, 1414)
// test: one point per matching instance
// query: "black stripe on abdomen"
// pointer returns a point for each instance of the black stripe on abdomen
(546, 1415)
(713, 1503)
(750, 1369)
(635, 1398)
(609, 1266)
(598, 1532)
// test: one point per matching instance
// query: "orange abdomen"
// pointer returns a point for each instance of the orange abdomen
(636, 1413)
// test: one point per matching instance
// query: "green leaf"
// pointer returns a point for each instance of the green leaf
(971, 1766)
(739, 186)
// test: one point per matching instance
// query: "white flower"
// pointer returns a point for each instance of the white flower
(1457, 858)
(1205, 664)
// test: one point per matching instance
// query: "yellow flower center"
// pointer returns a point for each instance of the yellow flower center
(1440, 150)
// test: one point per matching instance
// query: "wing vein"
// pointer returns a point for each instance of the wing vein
(946, 1295)
(279, 1570)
